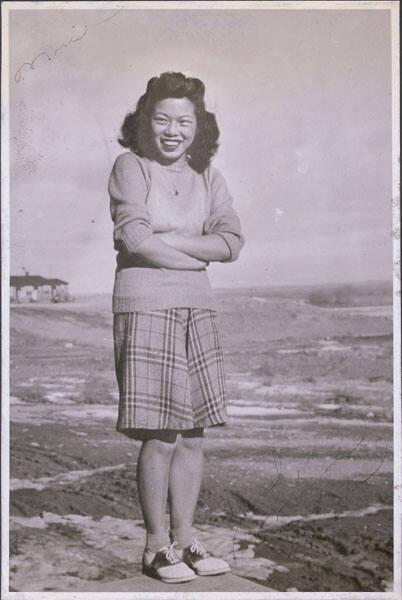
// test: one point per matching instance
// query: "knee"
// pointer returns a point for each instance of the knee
(190, 444)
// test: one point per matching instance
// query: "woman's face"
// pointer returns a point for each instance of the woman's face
(173, 126)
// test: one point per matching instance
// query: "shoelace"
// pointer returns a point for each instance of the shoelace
(170, 554)
(196, 546)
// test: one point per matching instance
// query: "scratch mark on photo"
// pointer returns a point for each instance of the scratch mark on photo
(31, 65)
(374, 472)
(110, 17)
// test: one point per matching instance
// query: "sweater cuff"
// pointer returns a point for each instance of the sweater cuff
(233, 242)
(132, 240)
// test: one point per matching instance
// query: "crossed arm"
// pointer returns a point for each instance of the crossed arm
(210, 247)
(221, 239)
(176, 251)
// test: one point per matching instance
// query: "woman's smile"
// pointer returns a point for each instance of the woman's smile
(170, 144)
(173, 126)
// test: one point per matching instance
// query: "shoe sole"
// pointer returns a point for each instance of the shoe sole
(211, 573)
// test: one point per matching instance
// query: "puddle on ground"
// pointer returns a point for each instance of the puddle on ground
(246, 385)
(259, 299)
(335, 348)
(301, 398)
(62, 397)
(92, 411)
(369, 311)
(57, 381)
(305, 350)
(275, 521)
(258, 411)
(41, 483)
(324, 420)
(38, 413)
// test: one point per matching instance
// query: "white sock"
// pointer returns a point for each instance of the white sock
(156, 541)
(183, 536)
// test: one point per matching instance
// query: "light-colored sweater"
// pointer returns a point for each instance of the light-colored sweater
(147, 197)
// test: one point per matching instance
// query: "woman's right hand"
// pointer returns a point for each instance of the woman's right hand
(203, 265)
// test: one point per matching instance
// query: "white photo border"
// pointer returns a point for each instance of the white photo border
(393, 7)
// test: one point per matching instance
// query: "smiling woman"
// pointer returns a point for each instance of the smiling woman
(138, 127)
(172, 215)
(173, 126)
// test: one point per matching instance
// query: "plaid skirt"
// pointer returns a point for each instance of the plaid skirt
(169, 368)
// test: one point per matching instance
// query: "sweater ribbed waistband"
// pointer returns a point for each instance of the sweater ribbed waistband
(154, 289)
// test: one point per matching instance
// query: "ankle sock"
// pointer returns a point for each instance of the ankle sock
(182, 535)
(156, 541)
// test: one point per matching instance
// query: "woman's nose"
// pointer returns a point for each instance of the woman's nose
(171, 128)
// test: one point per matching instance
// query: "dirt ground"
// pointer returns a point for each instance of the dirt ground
(297, 492)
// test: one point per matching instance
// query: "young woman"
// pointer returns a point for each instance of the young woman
(172, 215)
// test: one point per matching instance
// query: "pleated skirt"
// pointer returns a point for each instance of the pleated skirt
(169, 369)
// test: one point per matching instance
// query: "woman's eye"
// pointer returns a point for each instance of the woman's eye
(185, 123)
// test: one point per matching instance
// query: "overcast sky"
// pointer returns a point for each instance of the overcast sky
(303, 102)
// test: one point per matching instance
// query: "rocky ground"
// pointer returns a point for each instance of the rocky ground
(297, 491)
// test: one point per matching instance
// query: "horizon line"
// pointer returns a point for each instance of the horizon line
(277, 286)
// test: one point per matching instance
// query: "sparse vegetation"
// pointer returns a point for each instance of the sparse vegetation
(351, 295)
(32, 393)
(342, 296)
(97, 390)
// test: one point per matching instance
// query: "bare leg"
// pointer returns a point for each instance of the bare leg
(184, 485)
(153, 467)
(184, 489)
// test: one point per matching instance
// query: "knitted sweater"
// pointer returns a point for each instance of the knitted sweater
(147, 197)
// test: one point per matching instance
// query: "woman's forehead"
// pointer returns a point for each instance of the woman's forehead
(175, 107)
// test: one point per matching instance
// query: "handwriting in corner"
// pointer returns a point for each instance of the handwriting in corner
(32, 64)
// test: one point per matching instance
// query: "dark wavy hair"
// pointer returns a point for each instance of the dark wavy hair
(136, 128)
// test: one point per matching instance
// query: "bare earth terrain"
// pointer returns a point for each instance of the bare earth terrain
(297, 490)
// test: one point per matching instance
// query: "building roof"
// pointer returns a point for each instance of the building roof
(56, 282)
(34, 280)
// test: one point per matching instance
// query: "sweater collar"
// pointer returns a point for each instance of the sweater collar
(174, 168)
